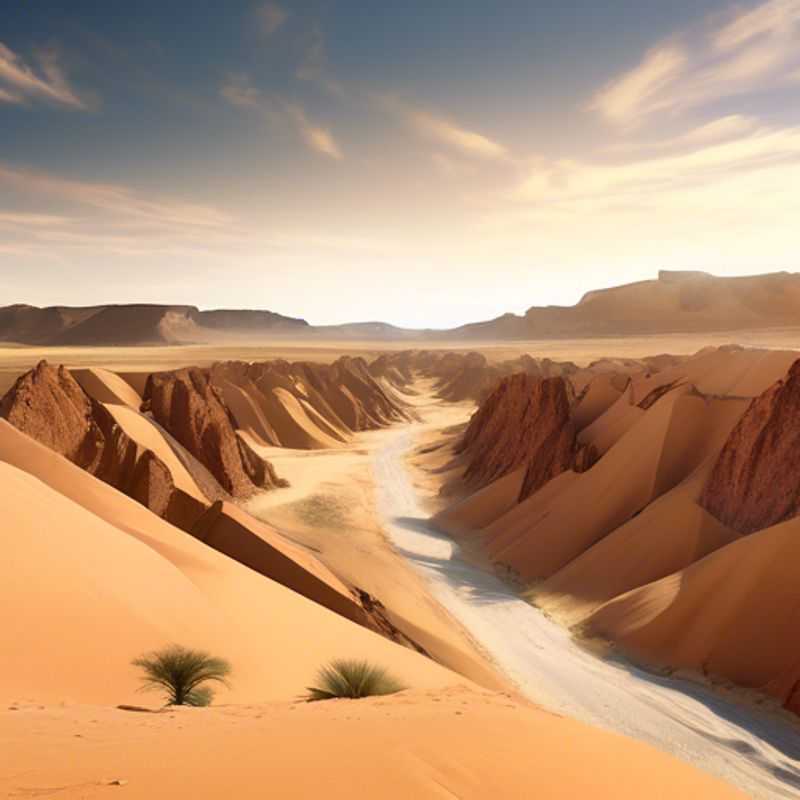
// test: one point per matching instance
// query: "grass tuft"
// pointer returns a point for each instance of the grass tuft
(352, 679)
(183, 674)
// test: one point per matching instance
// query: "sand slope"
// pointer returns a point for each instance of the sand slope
(457, 743)
(669, 535)
(732, 614)
(223, 526)
(137, 583)
(669, 441)
(107, 387)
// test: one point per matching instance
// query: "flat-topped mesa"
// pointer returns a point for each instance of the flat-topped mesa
(525, 422)
(189, 407)
(754, 484)
(48, 405)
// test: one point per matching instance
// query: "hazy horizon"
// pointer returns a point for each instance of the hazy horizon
(424, 167)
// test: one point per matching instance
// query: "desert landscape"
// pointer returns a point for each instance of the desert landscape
(400, 400)
(578, 553)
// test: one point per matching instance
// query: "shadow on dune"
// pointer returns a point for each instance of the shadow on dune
(483, 589)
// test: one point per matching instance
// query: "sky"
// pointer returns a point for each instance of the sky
(425, 164)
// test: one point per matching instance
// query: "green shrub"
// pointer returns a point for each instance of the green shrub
(182, 673)
(352, 679)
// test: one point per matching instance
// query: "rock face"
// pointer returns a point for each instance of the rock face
(187, 405)
(48, 405)
(754, 483)
(306, 405)
(524, 422)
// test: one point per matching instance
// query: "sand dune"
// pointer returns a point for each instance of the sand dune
(232, 531)
(655, 455)
(725, 371)
(223, 526)
(646, 546)
(481, 508)
(92, 554)
(651, 429)
(610, 425)
(598, 395)
(107, 387)
(670, 534)
(453, 743)
(732, 614)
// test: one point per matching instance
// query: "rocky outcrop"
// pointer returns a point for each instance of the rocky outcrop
(463, 376)
(190, 408)
(305, 405)
(524, 422)
(754, 483)
(48, 405)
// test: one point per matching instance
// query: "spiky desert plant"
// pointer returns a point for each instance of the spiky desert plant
(182, 673)
(352, 679)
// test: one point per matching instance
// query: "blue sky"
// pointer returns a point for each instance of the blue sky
(425, 164)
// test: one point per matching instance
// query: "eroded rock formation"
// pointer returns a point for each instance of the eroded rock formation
(755, 483)
(524, 422)
(48, 405)
(187, 405)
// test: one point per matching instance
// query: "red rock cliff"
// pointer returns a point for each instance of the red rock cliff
(187, 405)
(755, 481)
(524, 422)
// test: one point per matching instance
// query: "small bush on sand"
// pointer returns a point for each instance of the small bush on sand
(352, 679)
(182, 673)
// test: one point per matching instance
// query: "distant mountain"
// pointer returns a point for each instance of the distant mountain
(676, 302)
(368, 331)
(134, 324)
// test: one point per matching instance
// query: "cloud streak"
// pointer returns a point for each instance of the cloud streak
(20, 83)
(753, 51)
(113, 199)
(241, 93)
(440, 129)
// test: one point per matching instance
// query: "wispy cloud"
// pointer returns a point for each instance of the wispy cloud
(241, 93)
(270, 17)
(763, 156)
(314, 66)
(8, 218)
(733, 126)
(641, 91)
(440, 129)
(113, 199)
(315, 136)
(21, 84)
(752, 51)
